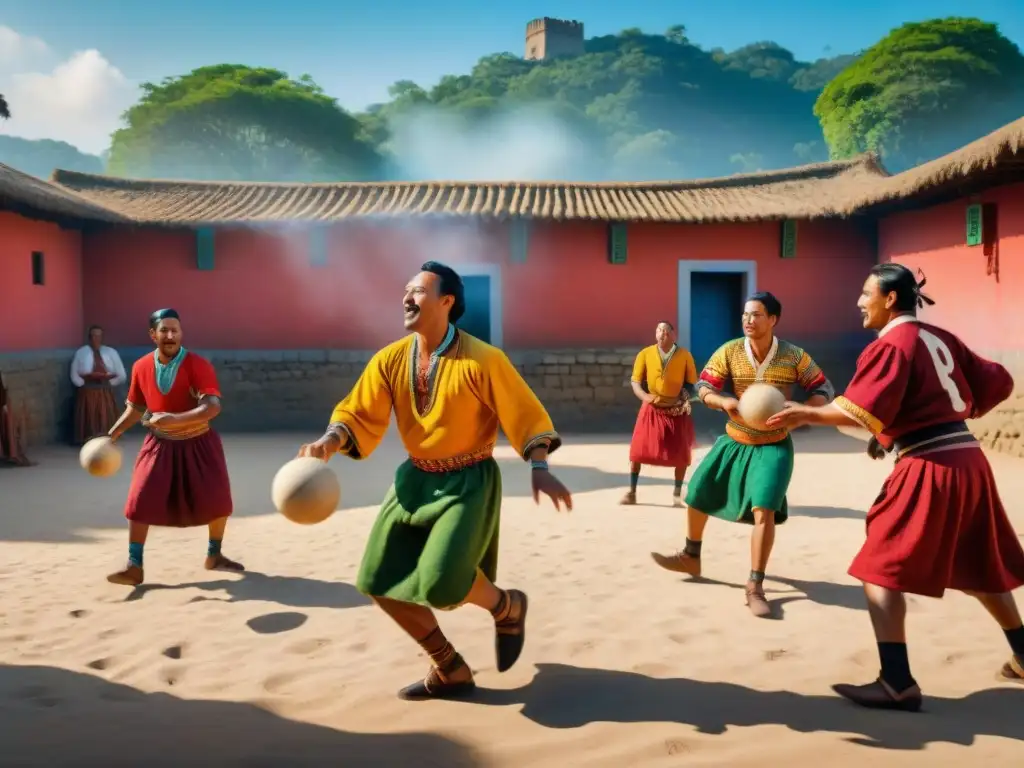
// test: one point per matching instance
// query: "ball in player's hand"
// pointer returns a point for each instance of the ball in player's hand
(759, 403)
(100, 457)
(306, 491)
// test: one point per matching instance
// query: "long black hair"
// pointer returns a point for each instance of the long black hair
(898, 279)
(451, 285)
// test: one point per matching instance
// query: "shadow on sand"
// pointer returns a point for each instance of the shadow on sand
(564, 696)
(821, 592)
(58, 717)
(290, 591)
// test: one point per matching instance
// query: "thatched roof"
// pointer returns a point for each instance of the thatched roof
(802, 192)
(24, 193)
(820, 190)
(1003, 148)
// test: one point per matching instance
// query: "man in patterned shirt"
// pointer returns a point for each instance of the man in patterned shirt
(745, 476)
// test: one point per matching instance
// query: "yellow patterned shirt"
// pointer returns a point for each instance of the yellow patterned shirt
(785, 366)
(470, 391)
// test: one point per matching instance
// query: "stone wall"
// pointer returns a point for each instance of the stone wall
(1003, 429)
(584, 389)
(41, 393)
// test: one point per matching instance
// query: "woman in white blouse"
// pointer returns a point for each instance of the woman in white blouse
(95, 371)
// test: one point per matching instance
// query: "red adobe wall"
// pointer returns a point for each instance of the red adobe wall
(979, 304)
(39, 323)
(34, 317)
(976, 297)
(264, 294)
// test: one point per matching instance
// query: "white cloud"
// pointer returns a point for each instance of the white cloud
(18, 49)
(78, 100)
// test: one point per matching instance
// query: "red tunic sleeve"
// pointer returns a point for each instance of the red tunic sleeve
(202, 377)
(875, 394)
(137, 387)
(990, 382)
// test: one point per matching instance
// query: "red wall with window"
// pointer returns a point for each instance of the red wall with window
(47, 316)
(265, 293)
(977, 296)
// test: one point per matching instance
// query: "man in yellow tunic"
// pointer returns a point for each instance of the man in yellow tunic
(663, 380)
(745, 476)
(435, 542)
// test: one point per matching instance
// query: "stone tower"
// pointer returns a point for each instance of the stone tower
(547, 38)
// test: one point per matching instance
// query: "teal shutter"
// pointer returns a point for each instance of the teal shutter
(617, 243)
(205, 248)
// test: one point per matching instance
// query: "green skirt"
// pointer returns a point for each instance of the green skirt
(735, 478)
(434, 530)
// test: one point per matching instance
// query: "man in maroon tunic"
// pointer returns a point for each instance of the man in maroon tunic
(181, 477)
(938, 522)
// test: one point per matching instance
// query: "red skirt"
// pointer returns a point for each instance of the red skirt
(180, 483)
(939, 524)
(662, 440)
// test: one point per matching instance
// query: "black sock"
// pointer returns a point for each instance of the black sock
(895, 665)
(678, 489)
(634, 478)
(692, 547)
(757, 576)
(1016, 640)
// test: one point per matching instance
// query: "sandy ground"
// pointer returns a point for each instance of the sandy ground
(625, 664)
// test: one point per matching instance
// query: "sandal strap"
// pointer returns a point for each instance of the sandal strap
(1016, 667)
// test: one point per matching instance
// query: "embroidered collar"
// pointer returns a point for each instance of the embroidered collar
(435, 360)
(896, 321)
(761, 368)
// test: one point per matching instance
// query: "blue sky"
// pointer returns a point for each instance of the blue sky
(355, 50)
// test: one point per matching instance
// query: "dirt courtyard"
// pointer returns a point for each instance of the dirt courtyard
(624, 665)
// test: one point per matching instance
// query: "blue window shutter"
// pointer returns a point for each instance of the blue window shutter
(204, 248)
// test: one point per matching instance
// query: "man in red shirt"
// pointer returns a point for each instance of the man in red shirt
(938, 522)
(180, 478)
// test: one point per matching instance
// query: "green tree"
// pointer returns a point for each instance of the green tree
(5, 111)
(923, 90)
(647, 106)
(234, 122)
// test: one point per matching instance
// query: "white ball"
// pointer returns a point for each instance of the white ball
(100, 457)
(759, 403)
(306, 491)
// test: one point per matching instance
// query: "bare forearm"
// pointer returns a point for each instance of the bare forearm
(205, 412)
(830, 416)
(127, 420)
(638, 390)
(540, 453)
(714, 401)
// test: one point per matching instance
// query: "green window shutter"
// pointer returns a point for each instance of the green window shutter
(787, 246)
(617, 243)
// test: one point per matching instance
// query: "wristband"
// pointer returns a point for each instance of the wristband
(540, 465)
